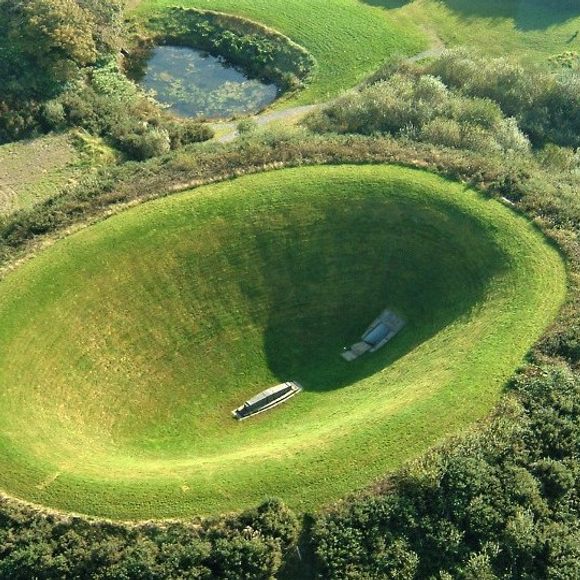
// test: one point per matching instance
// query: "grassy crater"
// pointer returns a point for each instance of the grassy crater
(124, 347)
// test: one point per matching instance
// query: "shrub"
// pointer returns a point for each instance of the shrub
(542, 102)
(247, 126)
(150, 142)
(35, 545)
(421, 107)
(54, 115)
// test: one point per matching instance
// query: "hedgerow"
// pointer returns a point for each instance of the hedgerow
(47, 545)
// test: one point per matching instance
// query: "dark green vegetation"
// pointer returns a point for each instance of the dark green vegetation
(250, 545)
(500, 504)
(60, 68)
(241, 286)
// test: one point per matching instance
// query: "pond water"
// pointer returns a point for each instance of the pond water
(196, 84)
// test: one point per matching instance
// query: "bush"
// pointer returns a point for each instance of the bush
(421, 108)
(542, 102)
(148, 143)
(75, 80)
(247, 126)
(54, 116)
(185, 131)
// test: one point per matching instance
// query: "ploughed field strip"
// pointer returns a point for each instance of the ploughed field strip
(125, 346)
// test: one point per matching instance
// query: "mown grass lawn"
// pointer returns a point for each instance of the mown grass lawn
(124, 348)
(531, 30)
(351, 38)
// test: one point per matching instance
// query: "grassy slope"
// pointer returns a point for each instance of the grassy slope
(351, 38)
(153, 325)
(532, 30)
(348, 39)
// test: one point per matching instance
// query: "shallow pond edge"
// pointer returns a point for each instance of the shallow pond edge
(256, 50)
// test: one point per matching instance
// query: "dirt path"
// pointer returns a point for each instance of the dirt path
(262, 120)
(227, 131)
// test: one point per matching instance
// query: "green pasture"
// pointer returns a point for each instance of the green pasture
(124, 347)
(351, 38)
(530, 30)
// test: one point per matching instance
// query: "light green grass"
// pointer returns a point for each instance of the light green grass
(124, 348)
(352, 38)
(349, 39)
(531, 30)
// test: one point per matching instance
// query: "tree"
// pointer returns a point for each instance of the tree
(47, 42)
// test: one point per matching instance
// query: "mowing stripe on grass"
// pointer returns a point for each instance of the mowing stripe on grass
(124, 348)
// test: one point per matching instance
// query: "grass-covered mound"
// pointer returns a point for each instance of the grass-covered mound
(124, 347)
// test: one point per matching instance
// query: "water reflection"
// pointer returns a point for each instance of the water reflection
(195, 84)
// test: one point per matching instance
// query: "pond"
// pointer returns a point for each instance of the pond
(194, 83)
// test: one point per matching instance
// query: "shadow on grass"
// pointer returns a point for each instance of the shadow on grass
(527, 14)
(338, 275)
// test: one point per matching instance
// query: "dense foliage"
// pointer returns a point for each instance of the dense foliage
(422, 108)
(46, 42)
(250, 545)
(501, 504)
(60, 68)
(544, 103)
(462, 100)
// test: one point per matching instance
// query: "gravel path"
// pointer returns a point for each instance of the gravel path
(285, 114)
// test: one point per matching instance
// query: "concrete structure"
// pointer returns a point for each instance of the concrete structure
(267, 400)
(382, 329)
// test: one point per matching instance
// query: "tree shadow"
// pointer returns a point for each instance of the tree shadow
(323, 300)
(527, 15)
